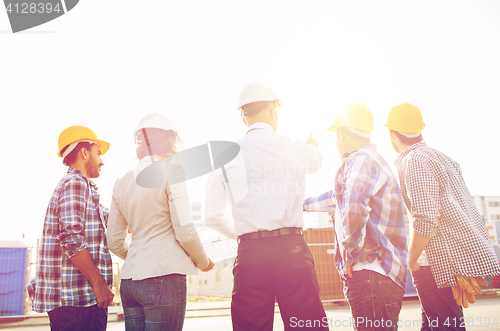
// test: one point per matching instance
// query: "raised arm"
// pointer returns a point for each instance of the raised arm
(325, 202)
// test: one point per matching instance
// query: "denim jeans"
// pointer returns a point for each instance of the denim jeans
(154, 304)
(68, 318)
(439, 310)
(375, 300)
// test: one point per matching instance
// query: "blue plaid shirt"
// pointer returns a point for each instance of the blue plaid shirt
(367, 200)
(75, 220)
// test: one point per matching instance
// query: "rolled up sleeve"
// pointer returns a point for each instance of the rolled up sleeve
(423, 192)
(361, 180)
(72, 216)
(325, 202)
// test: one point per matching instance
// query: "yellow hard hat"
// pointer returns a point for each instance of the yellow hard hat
(356, 116)
(79, 133)
(405, 118)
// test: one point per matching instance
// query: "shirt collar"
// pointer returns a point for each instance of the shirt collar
(259, 125)
(79, 173)
(352, 151)
(407, 151)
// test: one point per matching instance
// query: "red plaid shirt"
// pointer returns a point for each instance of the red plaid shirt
(75, 220)
(435, 194)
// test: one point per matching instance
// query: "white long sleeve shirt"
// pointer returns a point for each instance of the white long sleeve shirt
(264, 185)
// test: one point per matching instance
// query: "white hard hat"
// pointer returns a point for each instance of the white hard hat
(159, 121)
(257, 91)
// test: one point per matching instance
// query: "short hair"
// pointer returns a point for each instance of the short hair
(353, 135)
(161, 142)
(253, 108)
(407, 140)
(71, 157)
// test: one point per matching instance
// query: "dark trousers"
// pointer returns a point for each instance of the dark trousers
(280, 268)
(68, 318)
(439, 310)
(375, 300)
(154, 304)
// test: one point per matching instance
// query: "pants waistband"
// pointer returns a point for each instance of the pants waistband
(269, 233)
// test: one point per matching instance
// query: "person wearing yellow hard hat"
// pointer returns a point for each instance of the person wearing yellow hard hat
(448, 239)
(264, 186)
(74, 272)
(369, 224)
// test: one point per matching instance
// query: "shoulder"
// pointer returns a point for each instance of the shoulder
(74, 182)
(422, 155)
(363, 158)
(428, 160)
(369, 161)
(127, 177)
(71, 188)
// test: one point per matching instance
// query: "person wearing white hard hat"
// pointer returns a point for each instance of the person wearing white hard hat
(265, 190)
(74, 270)
(369, 224)
(165, 246)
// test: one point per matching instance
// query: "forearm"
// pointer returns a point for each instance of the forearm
(191, 243)
(323, 203)
(86, 266)
(354, 222)
(118, 246)
(417, 246)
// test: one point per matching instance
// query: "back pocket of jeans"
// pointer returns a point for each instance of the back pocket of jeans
(148, 292)
(393, 297)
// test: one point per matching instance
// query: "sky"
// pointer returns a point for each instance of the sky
(105, 64)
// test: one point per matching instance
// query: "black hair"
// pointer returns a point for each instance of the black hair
(255, 107)
(71, 157)
(406, 140)
(353, 135)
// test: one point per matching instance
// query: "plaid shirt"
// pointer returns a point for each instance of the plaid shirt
(435, 194)
(367, 200)
(75, 220)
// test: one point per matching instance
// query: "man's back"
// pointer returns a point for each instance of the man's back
(266, 181)
(436, 195)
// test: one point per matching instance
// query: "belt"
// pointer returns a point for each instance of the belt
(269, 233)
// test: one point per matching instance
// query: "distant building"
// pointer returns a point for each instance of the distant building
(15, 272)
(325, 220)
(216, 283)
(489, 209)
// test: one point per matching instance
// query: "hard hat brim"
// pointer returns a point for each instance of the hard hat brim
(103, 145)
(278, 108)
(333, 127)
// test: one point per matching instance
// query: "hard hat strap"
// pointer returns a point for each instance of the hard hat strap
(72, 146)
(411, 135)
(147, 144)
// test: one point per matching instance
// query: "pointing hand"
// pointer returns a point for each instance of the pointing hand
(311, 140)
